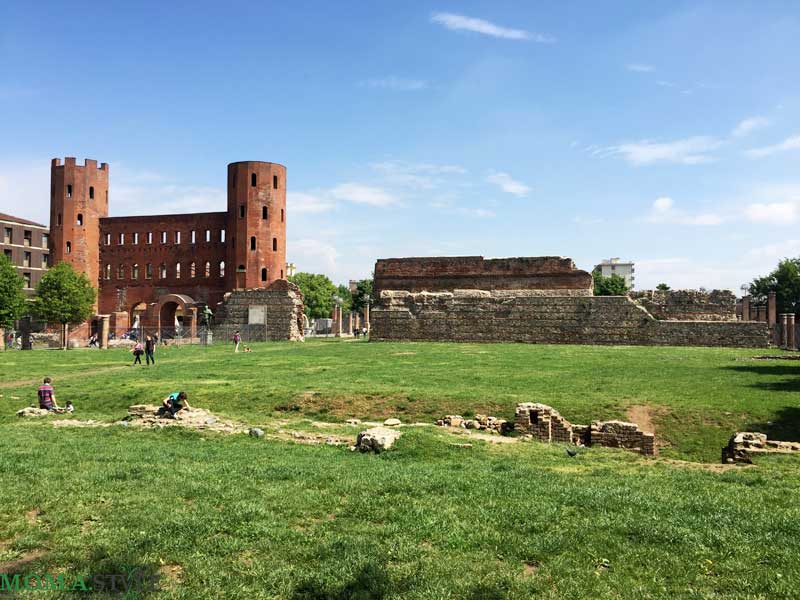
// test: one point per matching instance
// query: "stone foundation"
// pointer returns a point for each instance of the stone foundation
(688, 305)
(743, 444)
(545, 424)
(531, 317)
(485, 422)
(274, 313)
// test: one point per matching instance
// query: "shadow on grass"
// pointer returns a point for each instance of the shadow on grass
(785, 426)
(772, 370)
(128, 580)
(370, 583)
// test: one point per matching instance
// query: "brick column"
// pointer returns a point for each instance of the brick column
(745, 308)
(784, 326)
(772, 317)
(790, 333)
(104, 327)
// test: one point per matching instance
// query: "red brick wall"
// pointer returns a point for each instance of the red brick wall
(476, 273)
(123, 294)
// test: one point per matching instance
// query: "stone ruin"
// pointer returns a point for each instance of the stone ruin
(743, 444)
(485, 422)
(544, 423)
(147, 416)
(541, 300)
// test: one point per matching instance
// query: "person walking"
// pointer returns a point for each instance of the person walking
(149, 350)
(237, 339)
(138, 350)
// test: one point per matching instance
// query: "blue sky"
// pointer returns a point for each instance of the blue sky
(666, 133)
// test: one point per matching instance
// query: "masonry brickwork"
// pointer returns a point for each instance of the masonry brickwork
(435, 274)
(529, 316)
(274, 313)
(688, 305)
(135, 261)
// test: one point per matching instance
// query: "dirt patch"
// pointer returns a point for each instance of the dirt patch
(685, 464)
(32, 516)
(19, 565)
(170, 576)
(344, 407)
(644, 416)
(530, 568)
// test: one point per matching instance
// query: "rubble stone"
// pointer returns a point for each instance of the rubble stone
(377, 439)
(743, 444)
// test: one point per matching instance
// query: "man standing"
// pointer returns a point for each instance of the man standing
(149, 349)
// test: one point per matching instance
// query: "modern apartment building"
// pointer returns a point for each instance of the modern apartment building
(25, 244)
(613, 266)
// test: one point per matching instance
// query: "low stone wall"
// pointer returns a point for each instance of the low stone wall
(273, 313)
(544, 423)
(528, 316)
(688, 305)
(743, 444)
(447, 273)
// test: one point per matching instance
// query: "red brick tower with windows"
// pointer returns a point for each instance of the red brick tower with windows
(256, 224)
(78, 200)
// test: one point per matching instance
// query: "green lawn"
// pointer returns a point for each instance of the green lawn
(237, 517)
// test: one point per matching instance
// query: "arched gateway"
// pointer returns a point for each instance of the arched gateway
(177, 316)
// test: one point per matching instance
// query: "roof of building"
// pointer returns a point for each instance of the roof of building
(13, 219)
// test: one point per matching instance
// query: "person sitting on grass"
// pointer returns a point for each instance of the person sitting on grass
(47, 396)
(173, 403)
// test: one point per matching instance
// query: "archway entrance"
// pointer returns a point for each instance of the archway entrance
(177, 316)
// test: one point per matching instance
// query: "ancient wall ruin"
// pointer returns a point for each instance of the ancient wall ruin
(688, 305)
(529, 316)
(433, 274)
(274, 313)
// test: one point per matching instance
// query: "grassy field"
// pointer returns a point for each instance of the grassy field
(237, 517)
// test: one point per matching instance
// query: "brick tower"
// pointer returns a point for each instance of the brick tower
(256, 224)
(78, 199)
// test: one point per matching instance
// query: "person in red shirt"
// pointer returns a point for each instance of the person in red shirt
(47, 396)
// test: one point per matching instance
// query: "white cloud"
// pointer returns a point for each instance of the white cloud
(416, 175)
(640, 68)
(25, 190)
(302, 202)
(312, 255)
(774, 213)
(777, 251)
(687, 151)
(665, 83)
(747, 126)
(396, 83)
(792, 143)
(359, 193)
(461, 22)
(478, 213)
(506, 183)
(664, 211)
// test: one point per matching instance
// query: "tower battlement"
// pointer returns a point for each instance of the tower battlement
(72, 162)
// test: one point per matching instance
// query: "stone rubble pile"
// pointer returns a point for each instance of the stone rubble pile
(743, 444)
(376, 439)
(619, 434)
(32, 411)
(481, 422)
(146, 415)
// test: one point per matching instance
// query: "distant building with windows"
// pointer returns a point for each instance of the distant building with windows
(25, 244)
(613, 266)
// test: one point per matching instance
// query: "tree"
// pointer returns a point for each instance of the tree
(609, 286)
(784, 280)
(346, 297)
(12, 298)
(663, 287)
(362, 295)
(64, 296)
(318, 292)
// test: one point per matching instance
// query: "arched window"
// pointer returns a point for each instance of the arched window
(281, 273)
(241, 211)
(148, 271)
(69, 247)
(208, 235)
(121, 239)
(208, 269)
(263, 274)
(264, 212)
(192, 270)
(253, 180)
(222, 235)
(91, 192)
(163, 271)
(121, 272)
(274, 244)
(194, 236)
(177, 270)
(80, 219)
(281, 215)
(222, 268)
(240, 269)
(275, 182)
(69, 190)
(108, 272)
(135, 271)
(59, 218)
(253, 243)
